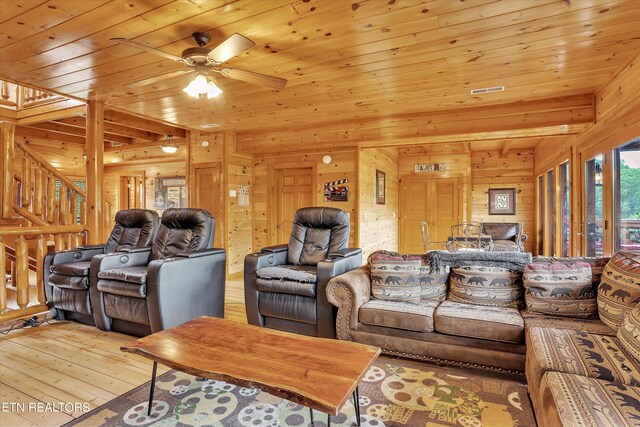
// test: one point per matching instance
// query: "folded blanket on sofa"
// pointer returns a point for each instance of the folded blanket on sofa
(511, 260)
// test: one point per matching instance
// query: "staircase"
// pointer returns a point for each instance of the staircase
(41, 209)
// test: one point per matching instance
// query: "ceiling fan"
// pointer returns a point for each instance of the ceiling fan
(203, 61)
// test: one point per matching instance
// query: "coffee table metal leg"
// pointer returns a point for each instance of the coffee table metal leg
(356, 405)
(311, 415)
(153, 386)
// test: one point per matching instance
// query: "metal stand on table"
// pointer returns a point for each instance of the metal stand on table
(356, 405)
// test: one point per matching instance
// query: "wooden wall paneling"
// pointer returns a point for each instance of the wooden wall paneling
(343, 165)
(492, 170)
(239, 218)
(618, 93)
(378, 223)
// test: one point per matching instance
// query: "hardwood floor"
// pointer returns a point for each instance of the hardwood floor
(67, 364)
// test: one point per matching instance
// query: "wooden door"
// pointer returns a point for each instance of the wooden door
(437, 201)
(294, 190)
(131, 192)
(208, 195)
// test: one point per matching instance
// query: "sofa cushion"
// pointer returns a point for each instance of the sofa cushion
(560, 288)
(394, 278)
(129, 274)
(491, 286)
(68, 282)
(477, 321)
(288, 279)
(574, 352)
(592, 326)
(399, 315)
(80, 268)
(619, 290)
(574, 400)
(629, 332)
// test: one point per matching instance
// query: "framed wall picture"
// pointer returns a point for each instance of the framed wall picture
(502, 201)
(381, 183)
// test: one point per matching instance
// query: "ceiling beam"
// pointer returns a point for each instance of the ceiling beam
(128, 120)
(53, 111)
(25, 132)
(76, 131)
(116, 129)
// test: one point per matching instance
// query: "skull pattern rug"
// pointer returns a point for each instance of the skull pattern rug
(394, 392)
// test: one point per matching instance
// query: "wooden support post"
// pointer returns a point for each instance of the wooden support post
(73, 208)
(59, 242)
(95, 152)
(64, 204)
(22, 272)
(7, 154)
(41, 251)
(26, 181)
(3, 276)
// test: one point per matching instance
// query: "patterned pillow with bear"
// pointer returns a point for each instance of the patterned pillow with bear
(619, 290)
(489, 286)
(560, 288)
(395, 277)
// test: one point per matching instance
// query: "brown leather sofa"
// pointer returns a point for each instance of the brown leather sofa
(443, 331)
(66, 274)
(506, 236)
(179, 278)
(285, 285)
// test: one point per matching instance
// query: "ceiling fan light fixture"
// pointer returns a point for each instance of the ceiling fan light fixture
(213, 90)
(198, 86)
(169, 146)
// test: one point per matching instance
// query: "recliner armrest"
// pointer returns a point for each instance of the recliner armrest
(119, 260)
(345, 253)
(135, 250)
(88, 247)
(201, 253)
(275, 248)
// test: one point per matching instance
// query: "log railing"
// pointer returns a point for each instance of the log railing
(21, 236)
(30, 97)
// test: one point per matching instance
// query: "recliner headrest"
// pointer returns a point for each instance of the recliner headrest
(317, 232)
(134, 228)
(183, 230)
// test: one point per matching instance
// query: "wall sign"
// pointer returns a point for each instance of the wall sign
(243, 195)
(430, 167)
(381, 183)
(334, 191)
(171, 192)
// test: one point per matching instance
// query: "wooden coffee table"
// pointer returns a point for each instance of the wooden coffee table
(318, 373)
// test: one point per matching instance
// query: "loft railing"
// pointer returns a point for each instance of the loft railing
(25, 305)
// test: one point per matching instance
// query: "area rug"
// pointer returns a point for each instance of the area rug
(395, 392)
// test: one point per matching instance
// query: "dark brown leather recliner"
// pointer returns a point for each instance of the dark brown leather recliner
(179, 278)
(285, 285)
(506, 236)
(66, 274)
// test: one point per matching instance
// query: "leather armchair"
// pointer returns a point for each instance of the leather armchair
(179, 278)
(506, 236)
(285, 285)
(66, 274)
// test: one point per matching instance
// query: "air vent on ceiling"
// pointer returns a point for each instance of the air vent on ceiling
(116, 144)
(487, 90)
(209, 126)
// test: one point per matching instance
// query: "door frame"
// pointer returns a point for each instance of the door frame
(462, 181)
(273, 172)
(220, 219)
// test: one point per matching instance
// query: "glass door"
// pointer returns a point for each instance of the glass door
(593, 173)
(565, 209)
(626, 196)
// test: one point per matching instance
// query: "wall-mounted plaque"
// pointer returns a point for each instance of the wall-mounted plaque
(430, 167)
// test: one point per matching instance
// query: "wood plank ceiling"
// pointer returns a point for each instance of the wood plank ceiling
(345, 61)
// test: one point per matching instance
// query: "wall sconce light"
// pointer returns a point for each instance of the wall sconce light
(202, 85)
(169, 146)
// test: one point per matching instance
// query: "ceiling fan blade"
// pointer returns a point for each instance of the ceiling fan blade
(234, 45)
(147, 48)
(155, 79)
(256, 78)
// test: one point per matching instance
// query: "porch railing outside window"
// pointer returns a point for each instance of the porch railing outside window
(627, 196)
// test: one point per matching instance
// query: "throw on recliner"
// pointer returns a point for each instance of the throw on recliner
(66, 274)
(285, 284)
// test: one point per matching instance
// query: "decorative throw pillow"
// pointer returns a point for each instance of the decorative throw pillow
(597, 265)
(560, 288)
(629, 332)
(491, 286)
(433, 282)
(619, 289)
(394, 278)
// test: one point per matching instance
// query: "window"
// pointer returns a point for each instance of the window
(593, 206)
(541, 215)
(565, 209)
(550, 226)
(626, 197)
